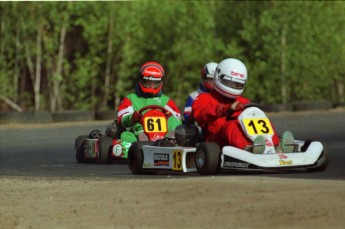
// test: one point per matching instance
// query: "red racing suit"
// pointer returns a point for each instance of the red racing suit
(223, 130)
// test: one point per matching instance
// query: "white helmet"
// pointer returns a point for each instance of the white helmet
(207, 74)
(230, 78)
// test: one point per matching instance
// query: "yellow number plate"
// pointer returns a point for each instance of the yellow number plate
(155, 124)
(256, 126)
(177, 160)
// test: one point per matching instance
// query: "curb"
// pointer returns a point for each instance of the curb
(77, 115)
(26, 117)
(72, 115)
(277, 107)
(308, 106)
(106, 115)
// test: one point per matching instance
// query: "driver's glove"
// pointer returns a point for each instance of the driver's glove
(223, 109)
(136, 116)
(237, 106)
(168, 114)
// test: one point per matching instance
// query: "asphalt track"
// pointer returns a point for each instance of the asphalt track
(47, 150)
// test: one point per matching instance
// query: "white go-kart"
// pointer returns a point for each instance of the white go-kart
(185, 154)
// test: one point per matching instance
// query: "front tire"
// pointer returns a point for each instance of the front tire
(136, 157)
(207, 159)
(105, 146)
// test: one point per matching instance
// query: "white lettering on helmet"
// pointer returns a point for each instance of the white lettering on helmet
(152, 78)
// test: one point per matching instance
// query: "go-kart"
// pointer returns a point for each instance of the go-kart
(105, 148)
(207, 158)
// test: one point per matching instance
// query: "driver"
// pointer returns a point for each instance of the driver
(217, 111)
(206, 85)
(148, 91)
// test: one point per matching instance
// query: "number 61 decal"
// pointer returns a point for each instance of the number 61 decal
(155, 124)
(258, 126)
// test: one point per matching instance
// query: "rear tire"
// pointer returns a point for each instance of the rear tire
(207, 159)
(105, 146)
(79, 148)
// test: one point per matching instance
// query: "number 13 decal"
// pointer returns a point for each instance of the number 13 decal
(177, 162)
(258, 126)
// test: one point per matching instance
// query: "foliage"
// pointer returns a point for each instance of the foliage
(56, 55)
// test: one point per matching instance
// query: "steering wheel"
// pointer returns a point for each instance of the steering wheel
(156, 107)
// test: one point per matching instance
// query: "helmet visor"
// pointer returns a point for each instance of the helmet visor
(232, 82)
(209, 80)
(151, 82)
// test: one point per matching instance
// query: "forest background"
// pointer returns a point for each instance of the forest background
(57, 56)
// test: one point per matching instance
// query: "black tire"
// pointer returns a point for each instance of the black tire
(79, 148)
(321, 163)
(105, 146)
(207, 159)
(136, 157)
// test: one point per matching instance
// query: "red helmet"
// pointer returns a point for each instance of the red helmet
(151, 78)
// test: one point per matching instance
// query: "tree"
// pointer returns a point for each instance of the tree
(86, 55)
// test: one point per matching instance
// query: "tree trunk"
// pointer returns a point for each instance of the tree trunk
(35, 74)
(93, 94)
(118, 86)
(341, 94)
(58, 73)
(29, 62)
(37, 82)
(283, 64)
(17, 65)
(11, 103)
(108, 63)
(35, 77)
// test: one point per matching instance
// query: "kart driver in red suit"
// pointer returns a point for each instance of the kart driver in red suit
(217, 111)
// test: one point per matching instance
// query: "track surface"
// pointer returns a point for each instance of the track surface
(47, 150)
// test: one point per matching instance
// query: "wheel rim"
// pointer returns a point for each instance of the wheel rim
(200, 158)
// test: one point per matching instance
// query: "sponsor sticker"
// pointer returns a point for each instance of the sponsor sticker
(282, 156)
(146, 165)
(90, 149)
(285, 162)
(236, 164)
(152, 78)
(233, 73)
(269, 143)
(161, 159)
(177, 160)
(117, 150)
